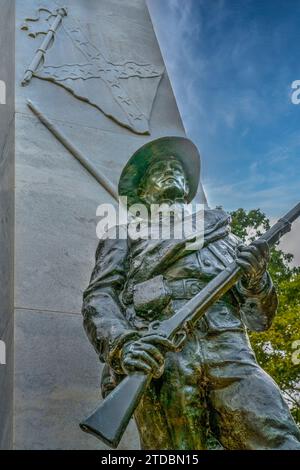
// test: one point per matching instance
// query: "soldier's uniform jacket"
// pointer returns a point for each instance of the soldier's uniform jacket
(137, 281)
(122, 265)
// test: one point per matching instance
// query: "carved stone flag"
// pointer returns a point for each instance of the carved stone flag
(117, 89)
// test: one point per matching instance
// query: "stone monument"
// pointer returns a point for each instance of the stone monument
(94, 70)
(7, 33)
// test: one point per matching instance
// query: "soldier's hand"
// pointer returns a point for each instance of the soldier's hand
(253, 260)
(146, 355)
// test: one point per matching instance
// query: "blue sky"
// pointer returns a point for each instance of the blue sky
(231, 64)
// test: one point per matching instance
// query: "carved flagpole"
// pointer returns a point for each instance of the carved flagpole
(110, 188)
(41, 51)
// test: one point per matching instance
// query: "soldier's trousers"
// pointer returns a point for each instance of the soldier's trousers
(216, 383)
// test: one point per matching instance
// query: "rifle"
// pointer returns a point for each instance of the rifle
(109, 421)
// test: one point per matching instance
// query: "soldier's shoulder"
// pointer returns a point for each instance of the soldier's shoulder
(113, 236)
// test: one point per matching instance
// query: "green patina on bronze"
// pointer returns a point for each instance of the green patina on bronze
(212, 385)
(160, 149)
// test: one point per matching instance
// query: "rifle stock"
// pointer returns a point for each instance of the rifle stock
(109, 421)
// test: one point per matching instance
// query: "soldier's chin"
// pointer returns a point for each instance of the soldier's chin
(173, 193)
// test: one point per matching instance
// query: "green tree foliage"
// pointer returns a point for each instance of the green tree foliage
(276, 348)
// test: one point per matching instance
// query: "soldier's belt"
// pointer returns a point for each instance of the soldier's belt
(184, 288)
(155, 294)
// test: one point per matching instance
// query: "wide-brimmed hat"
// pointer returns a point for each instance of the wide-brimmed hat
(181, 148)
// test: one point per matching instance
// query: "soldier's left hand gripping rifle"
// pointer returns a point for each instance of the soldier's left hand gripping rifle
(109, 421)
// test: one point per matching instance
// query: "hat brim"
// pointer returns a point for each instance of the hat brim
(181, 148)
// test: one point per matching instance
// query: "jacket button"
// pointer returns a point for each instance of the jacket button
(207, 262)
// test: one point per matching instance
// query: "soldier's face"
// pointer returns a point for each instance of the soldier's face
(164, 180)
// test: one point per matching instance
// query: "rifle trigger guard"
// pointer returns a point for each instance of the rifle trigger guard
(179, 339)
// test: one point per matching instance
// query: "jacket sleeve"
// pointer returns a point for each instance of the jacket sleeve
(104, 319)
(258, 307)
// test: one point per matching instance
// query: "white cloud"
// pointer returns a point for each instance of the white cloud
(210, 107)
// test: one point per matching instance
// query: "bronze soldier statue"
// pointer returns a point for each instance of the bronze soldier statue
(215, 382)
